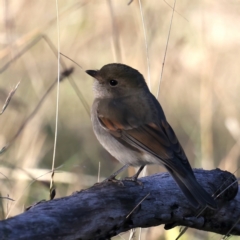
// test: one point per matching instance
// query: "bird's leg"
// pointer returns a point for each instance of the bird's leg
(112, 177)
(135, 176)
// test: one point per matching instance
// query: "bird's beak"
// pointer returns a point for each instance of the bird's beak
(92, 73)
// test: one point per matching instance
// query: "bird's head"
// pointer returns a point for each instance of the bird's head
(117, 80)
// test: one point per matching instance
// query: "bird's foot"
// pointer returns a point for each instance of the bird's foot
(113, 179)
(133, 179)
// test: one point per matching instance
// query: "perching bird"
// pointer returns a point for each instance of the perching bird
(130, 124)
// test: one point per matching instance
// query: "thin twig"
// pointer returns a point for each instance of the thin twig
(228, 233)
(140, 234)
(71, 80)
(8, 198)
(146, 44)
(64, 74)
(203, 209)
(115, 33)
(25, 49)
(165, 53)
(27, 188)
(9, 98)
(175, 10)
(137, 206)
(57, 107)
(132, 233)
(54, 50)
(71, 60)
(99, 170)
(37, 32)
(76, 89)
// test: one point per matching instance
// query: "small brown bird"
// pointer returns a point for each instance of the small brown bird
(130, 124)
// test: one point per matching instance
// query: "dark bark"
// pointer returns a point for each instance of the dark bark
(108, 209)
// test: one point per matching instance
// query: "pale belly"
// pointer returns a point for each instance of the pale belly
(119, 151)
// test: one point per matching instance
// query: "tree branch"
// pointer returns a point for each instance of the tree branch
(107, 209)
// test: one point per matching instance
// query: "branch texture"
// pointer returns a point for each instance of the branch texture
(107, 209)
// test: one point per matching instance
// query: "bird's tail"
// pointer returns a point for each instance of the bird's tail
(193, 190)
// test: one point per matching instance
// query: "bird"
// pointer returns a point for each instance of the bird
(130, 124)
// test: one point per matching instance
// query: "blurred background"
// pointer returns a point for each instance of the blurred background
(199, 90)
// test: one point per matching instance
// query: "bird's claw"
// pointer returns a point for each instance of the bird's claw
(133, 179)
(114, 180)
(110, 179)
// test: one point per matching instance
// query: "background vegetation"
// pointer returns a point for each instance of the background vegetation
(199, 90)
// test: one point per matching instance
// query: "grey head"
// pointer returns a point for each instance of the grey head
(117, 80)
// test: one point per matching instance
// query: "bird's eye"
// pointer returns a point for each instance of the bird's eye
(113, 82)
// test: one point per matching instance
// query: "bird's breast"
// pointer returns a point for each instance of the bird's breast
(124, 154)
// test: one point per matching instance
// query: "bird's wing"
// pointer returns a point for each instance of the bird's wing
(157, 139)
